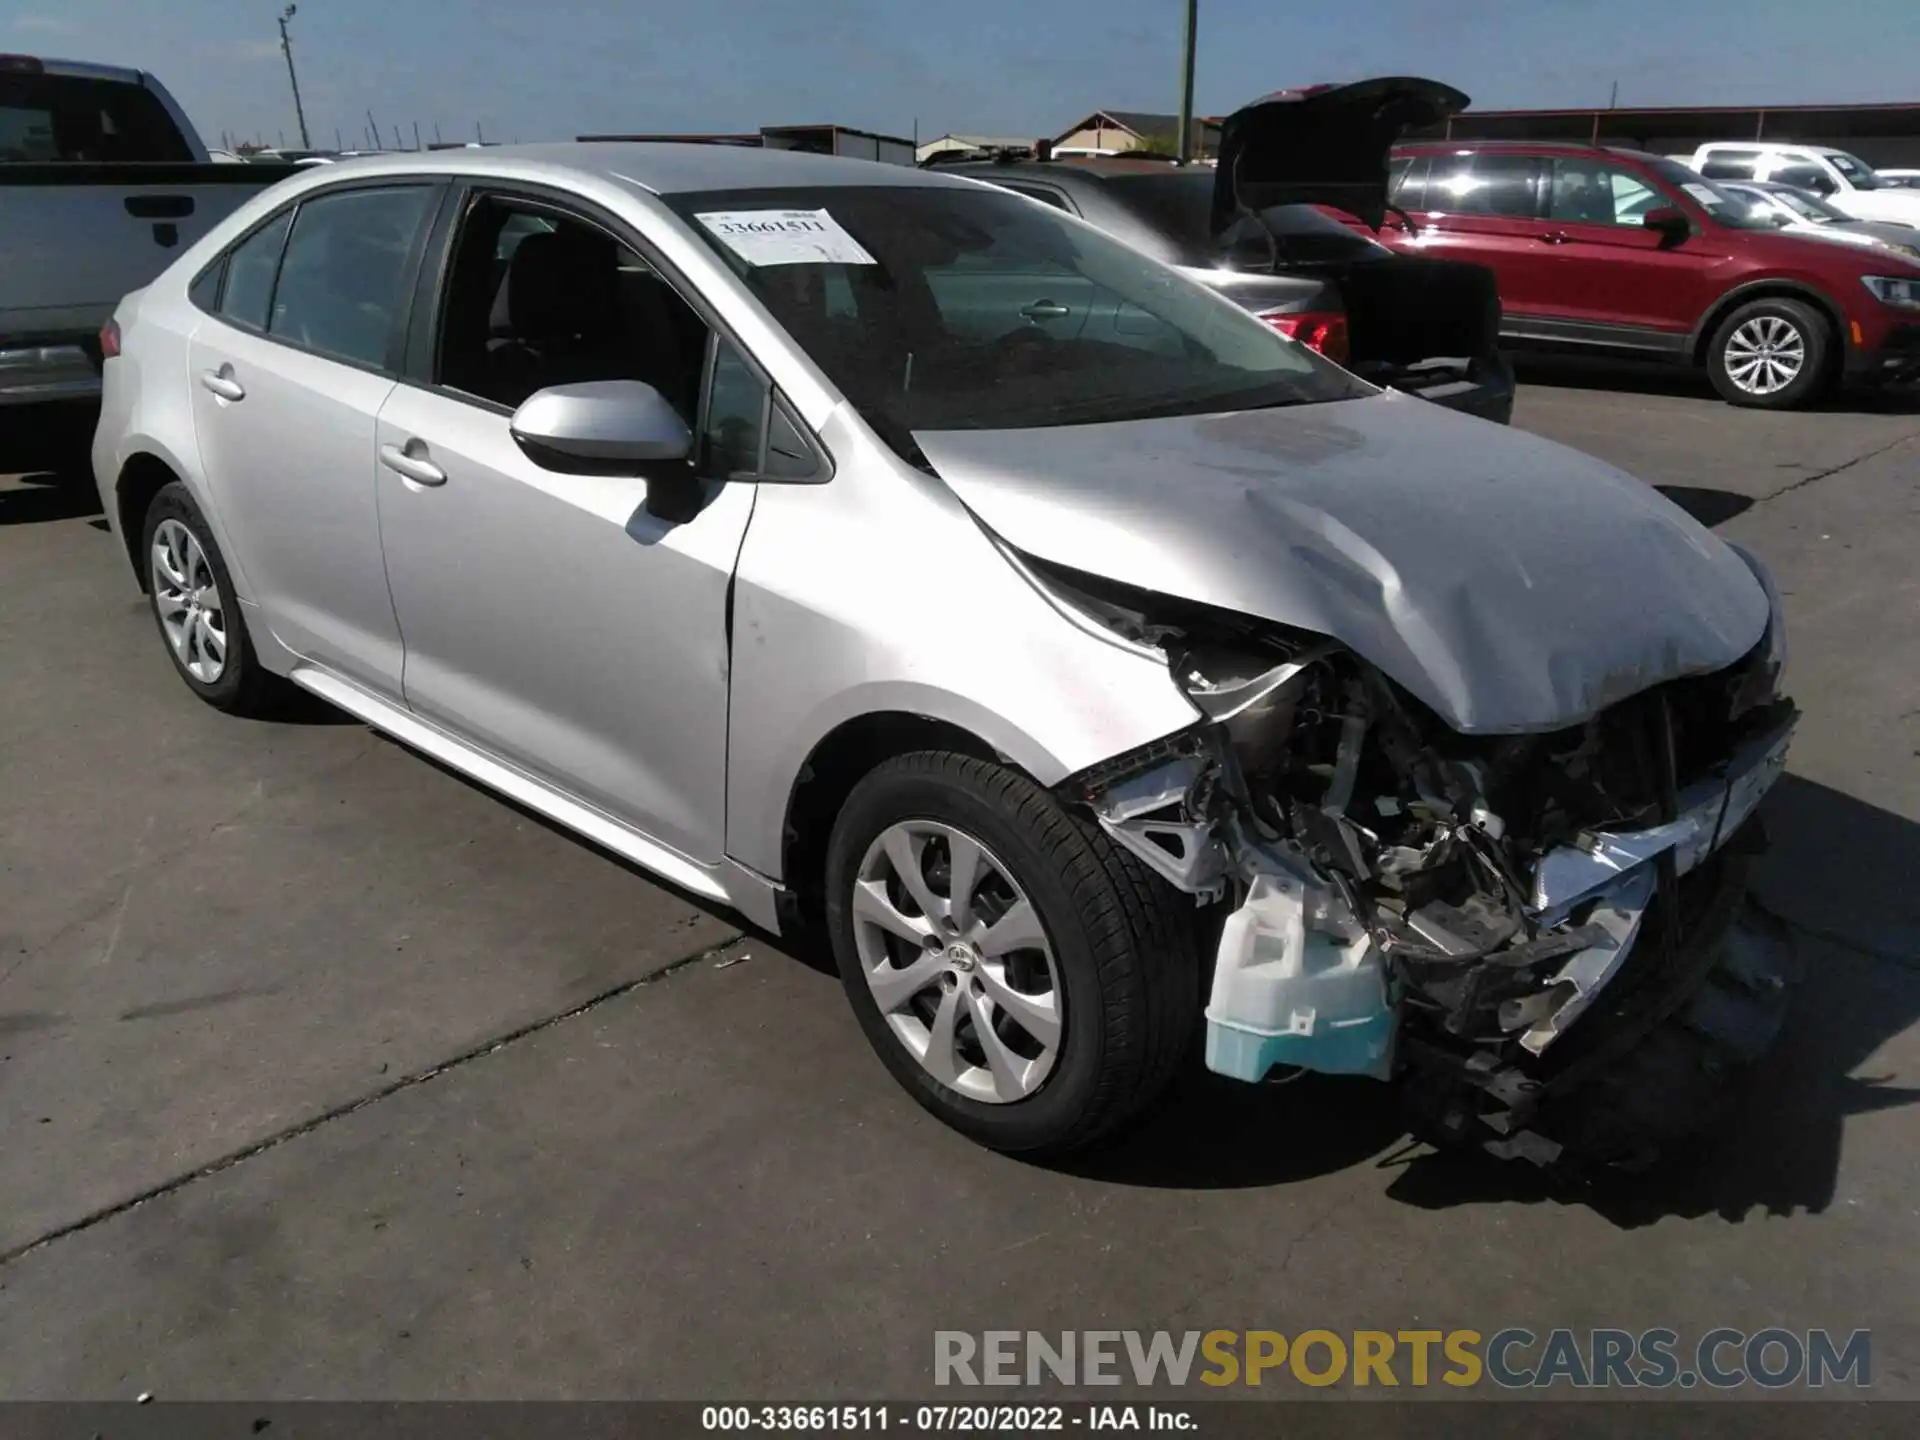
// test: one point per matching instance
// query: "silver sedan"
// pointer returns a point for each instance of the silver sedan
(1101, 669)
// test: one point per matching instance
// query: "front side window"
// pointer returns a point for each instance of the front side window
(346, 270)
(251, 266)
(536, 298)
(1806, 177)
(1590, 192)
(1138, 338)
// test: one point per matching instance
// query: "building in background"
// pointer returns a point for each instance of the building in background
(971, 144)
(1879, 134)
(1114, 132)
(809, 139)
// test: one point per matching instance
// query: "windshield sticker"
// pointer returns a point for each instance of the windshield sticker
(785, 237)
(1703, 193)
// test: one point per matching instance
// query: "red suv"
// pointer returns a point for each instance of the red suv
(1613, 250)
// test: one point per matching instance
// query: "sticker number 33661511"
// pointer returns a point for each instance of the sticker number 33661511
(784, 237)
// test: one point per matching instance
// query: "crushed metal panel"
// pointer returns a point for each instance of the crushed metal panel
(1509, 583)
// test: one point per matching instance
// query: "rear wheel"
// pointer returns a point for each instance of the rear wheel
(197, 611)
(1771, 354)
(1023, 978)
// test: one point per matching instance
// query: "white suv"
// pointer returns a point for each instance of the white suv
(1844, 181)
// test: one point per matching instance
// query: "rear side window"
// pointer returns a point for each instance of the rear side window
(250, 270)
(1728, 167)
(1486, 183)
(345, 271)
(70, 118)
(1407, 182)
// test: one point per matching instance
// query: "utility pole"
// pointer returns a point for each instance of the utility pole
(286, 46)
(1186, 82)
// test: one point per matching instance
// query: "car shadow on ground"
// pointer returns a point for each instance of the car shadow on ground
(1642, 377)
(48, 453)
(1835, 879)
(46, 495)
(1710, 507)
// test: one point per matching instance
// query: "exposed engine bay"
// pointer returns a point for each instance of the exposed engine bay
(1407, 902)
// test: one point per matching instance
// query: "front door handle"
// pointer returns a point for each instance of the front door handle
(1045, 310)
(222, 383)
(412, 463)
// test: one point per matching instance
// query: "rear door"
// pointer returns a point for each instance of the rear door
(290, 369)
(1485, 207)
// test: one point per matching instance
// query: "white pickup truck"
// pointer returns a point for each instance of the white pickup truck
(1844, 181)
(102, 183)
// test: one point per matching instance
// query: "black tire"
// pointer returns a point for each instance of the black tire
(1125, 944)
(1814, 336)
(1680, 1082)
(243, 686)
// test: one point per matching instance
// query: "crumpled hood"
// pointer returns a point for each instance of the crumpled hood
(1510, 583)
(1323, 145)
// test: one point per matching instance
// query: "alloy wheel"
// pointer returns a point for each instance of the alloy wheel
(957, 961)
(187, 600)
(1765, 355)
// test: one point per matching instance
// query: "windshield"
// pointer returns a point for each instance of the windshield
(1807, 207)
(1859, 174)
(1722, 204)
(950, 308)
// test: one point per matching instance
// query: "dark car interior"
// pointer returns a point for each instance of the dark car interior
(536, 300)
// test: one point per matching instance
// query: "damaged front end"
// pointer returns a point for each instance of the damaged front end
(1408, 902)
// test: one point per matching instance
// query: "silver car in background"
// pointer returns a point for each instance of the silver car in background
(863, 547)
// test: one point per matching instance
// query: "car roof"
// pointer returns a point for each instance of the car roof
(1099, 168)
(1544, 147)
(663, 168)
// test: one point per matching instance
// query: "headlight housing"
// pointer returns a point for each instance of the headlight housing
(1902, 291)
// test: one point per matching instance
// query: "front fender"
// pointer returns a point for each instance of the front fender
(878, 592)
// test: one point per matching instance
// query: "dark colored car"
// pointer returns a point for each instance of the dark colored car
(1251, 228)
(1603, 250)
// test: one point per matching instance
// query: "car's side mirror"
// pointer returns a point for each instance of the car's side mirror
(1670, 220)
(614, 424)
(602, 423)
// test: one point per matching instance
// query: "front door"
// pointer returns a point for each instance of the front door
(549, 619)
(288, 377)
(1615, 272)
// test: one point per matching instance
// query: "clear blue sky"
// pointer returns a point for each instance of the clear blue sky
(542, 69)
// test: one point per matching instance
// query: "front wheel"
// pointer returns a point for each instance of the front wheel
(1771, 354)
(1023, 978)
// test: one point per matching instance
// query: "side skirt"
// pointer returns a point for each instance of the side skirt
(752, 894)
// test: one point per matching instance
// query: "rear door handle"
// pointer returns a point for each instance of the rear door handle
(411, 463)
(1045, 310)
(1556, 237)
(222, 383)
